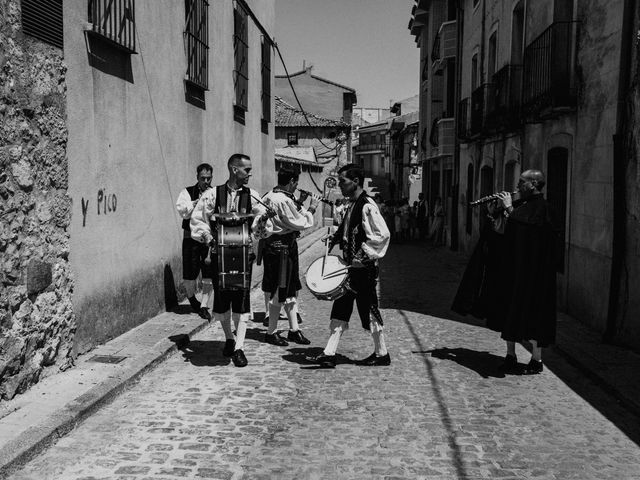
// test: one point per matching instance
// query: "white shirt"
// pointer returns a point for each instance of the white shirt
(375, 228)
(184, 204)
(288, 218)
(202, 214)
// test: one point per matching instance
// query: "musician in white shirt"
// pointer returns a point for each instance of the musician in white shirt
(234, 196)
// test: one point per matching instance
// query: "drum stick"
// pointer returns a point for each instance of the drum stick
(326, 251)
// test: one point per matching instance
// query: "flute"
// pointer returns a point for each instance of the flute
(308, 194)
(488, 198)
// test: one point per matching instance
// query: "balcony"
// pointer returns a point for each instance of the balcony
(482, 101)
(549, 83)
(444, 45)
(464, 124)
(443, 137)
(371, 147)
(503, 113)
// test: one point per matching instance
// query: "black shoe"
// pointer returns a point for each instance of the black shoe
(195, 304)
(275, 339)
(229, 347)
(533, 367)
(238, 358)
(510, 364)
(374, 361)
(204, 313)
(298, 337)
(327, 361)
(299, 318)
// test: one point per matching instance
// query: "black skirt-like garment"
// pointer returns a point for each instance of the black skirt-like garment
(274, 266)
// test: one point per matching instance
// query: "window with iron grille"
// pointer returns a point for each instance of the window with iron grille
(196, 37)
(42, 19)
(114, 21)
(292, 138)
(266, 84)
(241, 69)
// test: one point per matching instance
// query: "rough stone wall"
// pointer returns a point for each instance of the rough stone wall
(37, 323)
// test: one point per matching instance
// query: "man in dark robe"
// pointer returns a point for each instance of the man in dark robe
(529, 273)
(511, 277)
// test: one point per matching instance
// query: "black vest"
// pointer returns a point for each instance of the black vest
(194, 193)
(356, 235)
(244, 201)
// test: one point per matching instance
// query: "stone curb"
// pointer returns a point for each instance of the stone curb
(39, 437)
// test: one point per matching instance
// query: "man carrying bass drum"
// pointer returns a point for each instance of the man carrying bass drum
(363, 237)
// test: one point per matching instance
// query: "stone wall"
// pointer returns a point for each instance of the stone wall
(37, 322)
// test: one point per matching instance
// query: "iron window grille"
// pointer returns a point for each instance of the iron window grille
(266, 84)
(42, 19)
(241, 70)
(114, 21)
(196, 37)
(292, 138)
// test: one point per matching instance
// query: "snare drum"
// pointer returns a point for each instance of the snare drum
(333, 283)
(234, 248)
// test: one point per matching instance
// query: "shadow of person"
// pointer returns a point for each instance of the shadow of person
(182, 310)
(259, 317)
(484, 364)
(302, 357)
(204, 353)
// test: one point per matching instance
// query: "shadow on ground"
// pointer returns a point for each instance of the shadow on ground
(201, 353)
(415, 277)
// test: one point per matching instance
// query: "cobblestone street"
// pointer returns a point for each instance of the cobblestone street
(441, 410)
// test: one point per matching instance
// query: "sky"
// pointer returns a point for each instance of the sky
(363, 44)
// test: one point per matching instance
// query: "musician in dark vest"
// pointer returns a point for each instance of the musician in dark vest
(281, 280)
(194, 253)
(363, 237)
(232, 196)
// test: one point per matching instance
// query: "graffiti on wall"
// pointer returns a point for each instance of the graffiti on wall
(106, 203)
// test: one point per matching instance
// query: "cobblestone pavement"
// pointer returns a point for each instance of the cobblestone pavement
(441, 410)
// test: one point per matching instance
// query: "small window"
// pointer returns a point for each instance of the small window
(241, 69)
(474, 72)
(292, 138)
(266, 84)
(42, 19)
(115, 22)
(196, 34)
(492, 57)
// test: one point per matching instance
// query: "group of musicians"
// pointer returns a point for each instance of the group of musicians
(275, 221)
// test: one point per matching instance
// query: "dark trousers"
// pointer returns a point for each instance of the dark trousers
(362, 290)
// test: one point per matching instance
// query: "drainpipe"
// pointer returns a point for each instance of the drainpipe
(455, 228)
(618, 243)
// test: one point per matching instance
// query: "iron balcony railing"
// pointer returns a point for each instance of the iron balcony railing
(549, 70)
(482, 101)
(463, 120)
(115, 21)
(504, 111)
(371, 146)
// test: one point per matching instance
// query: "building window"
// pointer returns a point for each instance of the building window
(241, 69)
(42, 19)
(113, 21)
(266, 84)
(492, 56)
(292, 138)
(196, 35)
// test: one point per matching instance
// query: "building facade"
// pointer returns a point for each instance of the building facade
(512, 85)
(125, 99)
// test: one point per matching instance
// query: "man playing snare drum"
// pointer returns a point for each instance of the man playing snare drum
(281, 280)
(364, 237)
(232, 196)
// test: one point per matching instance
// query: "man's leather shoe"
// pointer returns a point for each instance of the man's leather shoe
(374, 361)
(238, 358)
(328, 361)
(510, 364)
(229, 347)
(533, 367)
(204, 313)
(298, 337)
(275, 339)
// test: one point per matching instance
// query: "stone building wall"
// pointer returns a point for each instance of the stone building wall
(37, 323)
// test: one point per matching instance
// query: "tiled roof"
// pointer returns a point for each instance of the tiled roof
(289, 116)
(308, 71)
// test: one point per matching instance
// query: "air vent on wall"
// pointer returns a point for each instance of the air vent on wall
(42, 19)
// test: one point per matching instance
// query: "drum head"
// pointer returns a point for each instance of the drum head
(335, 274)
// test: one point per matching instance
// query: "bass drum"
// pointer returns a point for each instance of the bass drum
(333, 283)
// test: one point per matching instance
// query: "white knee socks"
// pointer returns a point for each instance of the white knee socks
(207, 293)
(379, 344)
(291, 309)
(337, 328)
(240, 321)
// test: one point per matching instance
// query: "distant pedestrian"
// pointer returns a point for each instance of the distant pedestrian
(437, 223)
(413, 221)
(422, 216)
(405, 213)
